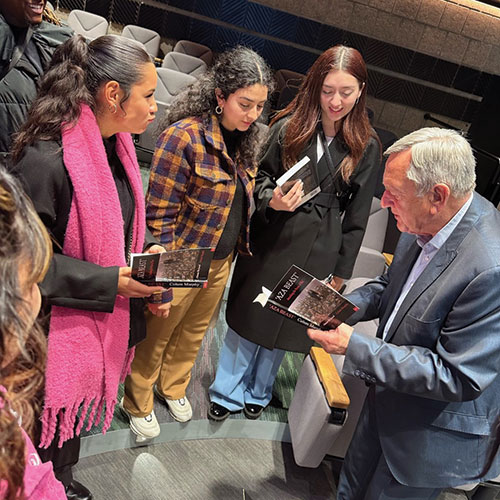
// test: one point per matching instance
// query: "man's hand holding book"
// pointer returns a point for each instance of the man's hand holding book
(333, 341)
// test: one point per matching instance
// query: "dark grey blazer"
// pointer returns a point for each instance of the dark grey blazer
(437, 390)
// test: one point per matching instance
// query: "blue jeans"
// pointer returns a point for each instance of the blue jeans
(245, 374)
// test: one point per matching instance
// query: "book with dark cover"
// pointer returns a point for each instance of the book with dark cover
(303, 298)
(185, 268)
(304, 171)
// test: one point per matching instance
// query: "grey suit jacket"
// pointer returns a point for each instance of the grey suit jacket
(436, 373)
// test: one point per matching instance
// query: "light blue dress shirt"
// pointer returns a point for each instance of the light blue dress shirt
(429, 249)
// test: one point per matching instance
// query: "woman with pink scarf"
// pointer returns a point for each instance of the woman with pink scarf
(77, 159)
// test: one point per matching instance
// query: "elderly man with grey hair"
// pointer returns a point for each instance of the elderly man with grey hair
(433, 366)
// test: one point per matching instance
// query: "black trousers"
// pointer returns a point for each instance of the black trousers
(62, 458)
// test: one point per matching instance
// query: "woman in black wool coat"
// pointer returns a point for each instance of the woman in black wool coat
(322, 236)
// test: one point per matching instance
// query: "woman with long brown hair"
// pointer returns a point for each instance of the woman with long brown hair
(326, 121)
(22, 345)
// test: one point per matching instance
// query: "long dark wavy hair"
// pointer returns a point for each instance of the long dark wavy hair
(24, 246)
(234, 69)
(304, 111)
(75, 75)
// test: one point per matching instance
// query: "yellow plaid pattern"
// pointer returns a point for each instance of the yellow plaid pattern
(192, 185)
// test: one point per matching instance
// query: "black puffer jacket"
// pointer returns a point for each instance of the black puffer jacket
(18, 88)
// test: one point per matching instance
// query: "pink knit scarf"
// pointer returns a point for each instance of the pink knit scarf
(88, 351)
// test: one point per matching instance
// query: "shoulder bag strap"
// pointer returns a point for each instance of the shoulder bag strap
(17, 53)
(342, 195)
(331, 167)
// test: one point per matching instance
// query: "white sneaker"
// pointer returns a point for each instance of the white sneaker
(144, 428)
(180, 409)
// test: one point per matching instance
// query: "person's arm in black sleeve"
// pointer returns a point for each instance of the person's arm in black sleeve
(69, 282)
(270, 168)
(358, 209)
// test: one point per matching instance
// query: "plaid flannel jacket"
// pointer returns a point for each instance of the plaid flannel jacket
(190, 192)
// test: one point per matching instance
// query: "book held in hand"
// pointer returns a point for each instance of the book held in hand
(303, 298)
(303, 171)
(185, 268)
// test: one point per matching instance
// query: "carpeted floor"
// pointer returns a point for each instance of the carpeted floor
(215, 469)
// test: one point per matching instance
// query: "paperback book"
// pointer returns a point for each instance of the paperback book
(303, 171)
(301, 297)
(185, 268)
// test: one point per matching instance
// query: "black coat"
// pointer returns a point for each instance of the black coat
(19, 87)
(314, 237)
(72, 282)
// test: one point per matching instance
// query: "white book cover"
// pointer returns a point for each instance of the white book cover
(303, 170)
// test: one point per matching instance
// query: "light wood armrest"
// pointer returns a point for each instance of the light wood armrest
(328, 375)
(388, 258)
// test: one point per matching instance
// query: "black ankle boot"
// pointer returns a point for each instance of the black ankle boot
(76, 491)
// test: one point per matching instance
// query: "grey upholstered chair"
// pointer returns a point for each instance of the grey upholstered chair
(170, 83)
(149, 38)
(87, 24)
(184, 63)
(194, 49)
(370, 261)
(316, 428)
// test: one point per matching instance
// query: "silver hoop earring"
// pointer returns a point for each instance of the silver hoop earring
(113, 108)
(218, 110)
(357, 100)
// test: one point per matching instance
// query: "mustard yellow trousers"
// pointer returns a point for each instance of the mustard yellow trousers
(169, 351)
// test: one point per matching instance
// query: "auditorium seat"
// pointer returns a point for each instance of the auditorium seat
(87, 24)
(287, 86)
(483, 491)
(370, 261)
(184, 63)
(170, 83)
(149, 38)
(316, 427)
(194, 49)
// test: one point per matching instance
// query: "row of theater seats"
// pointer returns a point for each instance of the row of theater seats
(186, 58)
(92, 26)
(180, 67)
